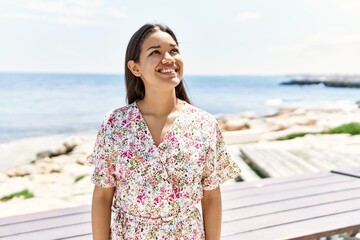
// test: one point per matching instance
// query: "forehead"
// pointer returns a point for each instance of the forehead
(158, 38)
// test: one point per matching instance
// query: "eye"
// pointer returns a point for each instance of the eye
(154, 52)
(175, 50)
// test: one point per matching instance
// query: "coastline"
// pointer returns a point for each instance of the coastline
(52, 167)
(25, 150)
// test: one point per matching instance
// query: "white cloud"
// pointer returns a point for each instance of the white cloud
(331, 40)
(58, 19)
(349, 5)
(79, 8)
(116, 12)
(331, 51)
(6, 2)
(71, 12)
(76, 21)
(19, 16)
(248, 16)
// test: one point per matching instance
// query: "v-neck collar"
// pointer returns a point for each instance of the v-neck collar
(171, 128)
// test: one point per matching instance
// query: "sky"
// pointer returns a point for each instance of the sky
(229, 37)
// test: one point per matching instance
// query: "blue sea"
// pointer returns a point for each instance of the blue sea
(47, 104)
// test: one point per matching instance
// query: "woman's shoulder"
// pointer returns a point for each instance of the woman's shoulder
(118, 115)
(200, 115)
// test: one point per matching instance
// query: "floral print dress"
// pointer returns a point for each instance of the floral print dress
(157, 188)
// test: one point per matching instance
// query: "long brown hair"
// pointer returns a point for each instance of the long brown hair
(135, 89)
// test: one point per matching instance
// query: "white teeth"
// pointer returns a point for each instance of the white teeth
(168, 70)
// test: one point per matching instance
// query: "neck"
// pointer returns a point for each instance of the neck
(158, 104)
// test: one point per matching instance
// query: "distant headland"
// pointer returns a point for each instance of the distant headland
(349, 81)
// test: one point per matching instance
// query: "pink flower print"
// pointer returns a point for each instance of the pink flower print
(177, 192)
(139, 159)
(112, 120)
(140, 198)
(151, 181)
(172, 197)
(143, 137)
(187, 134)
(124, 122)
(137, 118)
(171, 136)
(118, 135)
(198, 145)
(127, 154)
(186, 195)
(177, 234)
(156, 200)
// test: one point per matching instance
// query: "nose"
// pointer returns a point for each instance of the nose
(167, 59)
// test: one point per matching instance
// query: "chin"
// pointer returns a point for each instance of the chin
(176, 81)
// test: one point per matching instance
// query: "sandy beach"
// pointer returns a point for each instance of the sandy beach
(52, 168)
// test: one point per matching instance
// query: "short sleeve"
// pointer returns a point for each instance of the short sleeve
(219, 166)
(103, 156)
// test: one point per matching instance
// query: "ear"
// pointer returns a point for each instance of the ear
(133, 67)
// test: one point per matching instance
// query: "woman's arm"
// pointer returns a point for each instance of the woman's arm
(211, 210)
(101, 212)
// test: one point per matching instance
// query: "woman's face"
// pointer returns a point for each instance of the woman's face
(160, 65)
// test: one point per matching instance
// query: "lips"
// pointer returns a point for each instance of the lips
(168, 70)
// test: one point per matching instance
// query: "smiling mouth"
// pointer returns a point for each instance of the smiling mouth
(168, 70)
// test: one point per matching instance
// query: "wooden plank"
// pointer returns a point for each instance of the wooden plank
(293, 216)
(303, 166)
(268, 167)
(328, 159)
(352, 172)
(338, 160)
(353, 157)
(258, 198)
(275, 157)
(247, 174)
(44, 214)
(280, 162)
(64, 232)
(44, 224)
(288, 187)
(317, 159)
(274, 181)
(83, 237)
(351, 162)
(289, 204)
(277, 201)
(303, 230)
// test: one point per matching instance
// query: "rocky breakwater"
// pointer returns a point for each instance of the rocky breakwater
(289, 119)
(348, 81)
(56, 178)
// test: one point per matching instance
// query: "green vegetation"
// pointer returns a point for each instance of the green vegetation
(349, 128)
(24, 193)
(78, 178)
(295, 135)
(247, 126)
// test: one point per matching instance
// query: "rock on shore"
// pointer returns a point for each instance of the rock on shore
(56, 176)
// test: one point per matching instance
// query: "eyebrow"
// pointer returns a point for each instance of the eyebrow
(152, 47)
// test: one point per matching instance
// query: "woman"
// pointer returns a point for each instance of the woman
(159, 156)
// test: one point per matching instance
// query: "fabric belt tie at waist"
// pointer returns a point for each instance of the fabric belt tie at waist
(160, 220)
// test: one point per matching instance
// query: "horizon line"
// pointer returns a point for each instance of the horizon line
(121, 73)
